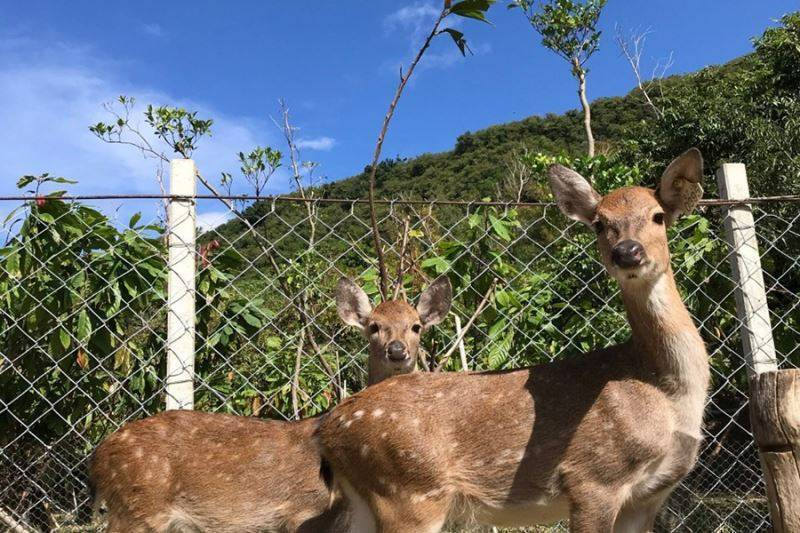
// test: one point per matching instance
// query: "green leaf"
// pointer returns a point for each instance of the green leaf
(84, 325)
(458, 38)
(474, 9)
(134, 220)
(12, 265)
(62, 180)
(252, 320)
(24, 181)
(63, 337)
(499, 227)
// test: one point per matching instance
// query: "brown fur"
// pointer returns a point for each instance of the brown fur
(601, 438)
(194, 471)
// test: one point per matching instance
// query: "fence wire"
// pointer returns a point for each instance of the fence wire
(83, 317)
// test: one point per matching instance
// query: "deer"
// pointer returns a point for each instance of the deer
(600, 438)
(197, 471)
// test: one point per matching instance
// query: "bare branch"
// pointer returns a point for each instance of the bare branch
(632, 47)
(398, 285)
(460, 337)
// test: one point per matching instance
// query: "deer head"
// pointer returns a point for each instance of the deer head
(393, 328)
(631, 222)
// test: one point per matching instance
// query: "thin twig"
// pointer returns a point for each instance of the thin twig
(296, 376)
(632, 48)
(13, 524)
(398, 285)
(384, 277)
(461, 351)
(478, 311)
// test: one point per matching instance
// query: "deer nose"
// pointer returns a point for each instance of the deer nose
(396, 351)
(627, 254)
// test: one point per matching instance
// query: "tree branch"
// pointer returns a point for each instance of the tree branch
(460, 337)
(384, 277)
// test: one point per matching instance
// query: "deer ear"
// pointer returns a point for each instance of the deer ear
(680, 189)
(352, 303)
(574, 196)
(434, 304)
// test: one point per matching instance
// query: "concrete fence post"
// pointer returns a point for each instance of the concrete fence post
(181, 286)
(774, 394)
(751, 296)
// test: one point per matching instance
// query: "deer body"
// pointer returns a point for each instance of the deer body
(600, 438)
(195, 471)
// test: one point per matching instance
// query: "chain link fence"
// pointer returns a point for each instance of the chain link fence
(84, 307)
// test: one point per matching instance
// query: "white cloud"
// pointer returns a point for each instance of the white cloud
(417, 18)
(154, 30)
(52, 93)
(415, 22)
(212, 219)
(318, 143)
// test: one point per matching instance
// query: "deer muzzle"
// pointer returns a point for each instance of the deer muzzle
(396, 351)
(628, 254)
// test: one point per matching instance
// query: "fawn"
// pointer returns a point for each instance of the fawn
(600, 438)
(194, 471)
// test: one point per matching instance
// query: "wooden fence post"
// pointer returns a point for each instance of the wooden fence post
(181, 286)
(774, 394)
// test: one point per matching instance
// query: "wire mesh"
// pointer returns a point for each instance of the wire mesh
(84, 313)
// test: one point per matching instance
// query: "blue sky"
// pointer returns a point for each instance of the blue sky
(334, 62)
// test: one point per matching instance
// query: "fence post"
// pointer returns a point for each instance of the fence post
(751, 298)
(774, 394)
(181, 286)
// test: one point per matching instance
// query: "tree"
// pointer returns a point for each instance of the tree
(569, 28)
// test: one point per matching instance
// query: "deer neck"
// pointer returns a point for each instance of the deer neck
(664, 338)
(376, 375)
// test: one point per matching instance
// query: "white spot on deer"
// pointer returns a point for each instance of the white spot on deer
(364, 450)
(415, 422)
(358, 414)
(439, 394)
(384, 435)
(377, 413)
(393, 416)
(138, 453)
(348, 423)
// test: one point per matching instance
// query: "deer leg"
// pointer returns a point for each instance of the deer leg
(393, 516)
(593, 514)
(640, 517)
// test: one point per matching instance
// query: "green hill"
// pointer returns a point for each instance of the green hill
(747, 110)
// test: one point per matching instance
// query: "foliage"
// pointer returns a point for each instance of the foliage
(473, 9)
(257, 167)
(178, 128)
(567, 27)
(84, 306)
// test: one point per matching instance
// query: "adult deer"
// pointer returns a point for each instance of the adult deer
(194, 471)
(600, 438)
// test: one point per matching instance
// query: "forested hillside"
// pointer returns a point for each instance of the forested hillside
(744, 111)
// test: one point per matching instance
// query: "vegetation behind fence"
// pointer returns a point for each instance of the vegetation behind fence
(83, 324)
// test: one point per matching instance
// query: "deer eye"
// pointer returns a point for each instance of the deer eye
(373, 329)
(598, 226)
(416, 328)
(658, 218)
